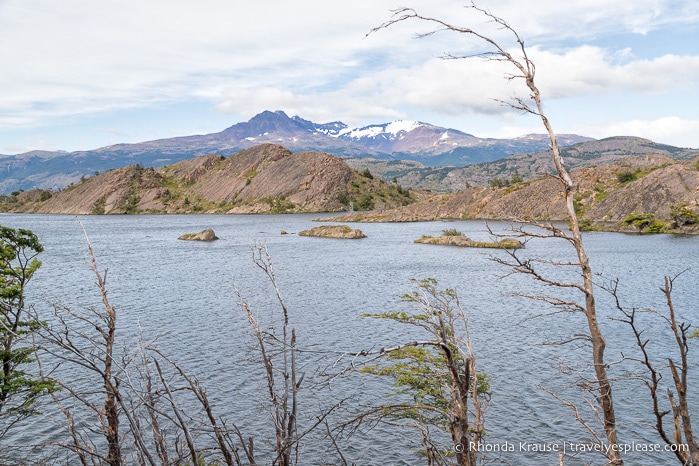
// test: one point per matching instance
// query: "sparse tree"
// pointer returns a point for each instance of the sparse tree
(516, 177)
(436, 377)
(19, 390)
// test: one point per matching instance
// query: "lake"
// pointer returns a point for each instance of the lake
(185, 294)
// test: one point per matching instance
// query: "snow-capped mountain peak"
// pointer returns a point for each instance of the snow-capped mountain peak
(386, 131)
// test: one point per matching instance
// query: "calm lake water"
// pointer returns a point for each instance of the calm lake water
(184, 293)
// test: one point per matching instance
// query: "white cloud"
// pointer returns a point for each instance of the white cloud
(84, 58)
(670, 130)
(592, 70)
(589, 18)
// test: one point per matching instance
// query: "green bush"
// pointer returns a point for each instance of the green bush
(586, 225)
(646, 223)
(656, 226)
(451, 232)
(640, 221)
(682, 215)
(578, 205)
(279, 204)
(516, 177)
(130, 205)
(626, 177)
(498, 183)
(98, 207)
(364, 202)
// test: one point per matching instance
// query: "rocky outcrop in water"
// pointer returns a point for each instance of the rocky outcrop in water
(334, 231)
(465, 242)
(205, 235)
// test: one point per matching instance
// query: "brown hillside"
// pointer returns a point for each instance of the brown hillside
(651, 185)
(263, 179)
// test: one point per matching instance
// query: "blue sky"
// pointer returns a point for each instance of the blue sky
(79, 74)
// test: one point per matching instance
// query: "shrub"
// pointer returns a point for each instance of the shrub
(279, 204)
(656, 226)
(516, 177)
(130, 204)
(682, 215)
(451, 232)
(498, 183)
(640, 221)
(367, 174)
(585, 225)
(578, 205)
(626, 177)
(98, 207)
(646, 223)
(364, 202)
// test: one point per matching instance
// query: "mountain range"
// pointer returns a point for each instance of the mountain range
(430, 145)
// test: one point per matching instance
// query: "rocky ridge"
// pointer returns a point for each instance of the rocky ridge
(528, 166)
(652, 187)
(267, 178)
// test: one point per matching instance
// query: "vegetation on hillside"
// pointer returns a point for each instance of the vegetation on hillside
(214, 184)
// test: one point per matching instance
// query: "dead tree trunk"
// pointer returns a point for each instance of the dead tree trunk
(681, 439)
(526, 71)
(604, 395)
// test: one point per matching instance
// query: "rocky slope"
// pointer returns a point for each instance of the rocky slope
(526, 165)
(267, 178)
(646, 193)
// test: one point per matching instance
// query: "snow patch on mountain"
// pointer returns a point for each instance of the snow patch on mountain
(392, 130)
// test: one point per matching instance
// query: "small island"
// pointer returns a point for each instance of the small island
(205, 235)
(334, 231)
(454, 237)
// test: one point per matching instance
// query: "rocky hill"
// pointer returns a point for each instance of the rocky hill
(267, 178)
(528, 166)
(652, 193)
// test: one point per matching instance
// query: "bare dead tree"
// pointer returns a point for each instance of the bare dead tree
(72, 343)
(682, 433)
(223, 440)
(150, 396)
(69, 341)
(525, 70)
(279, 355)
